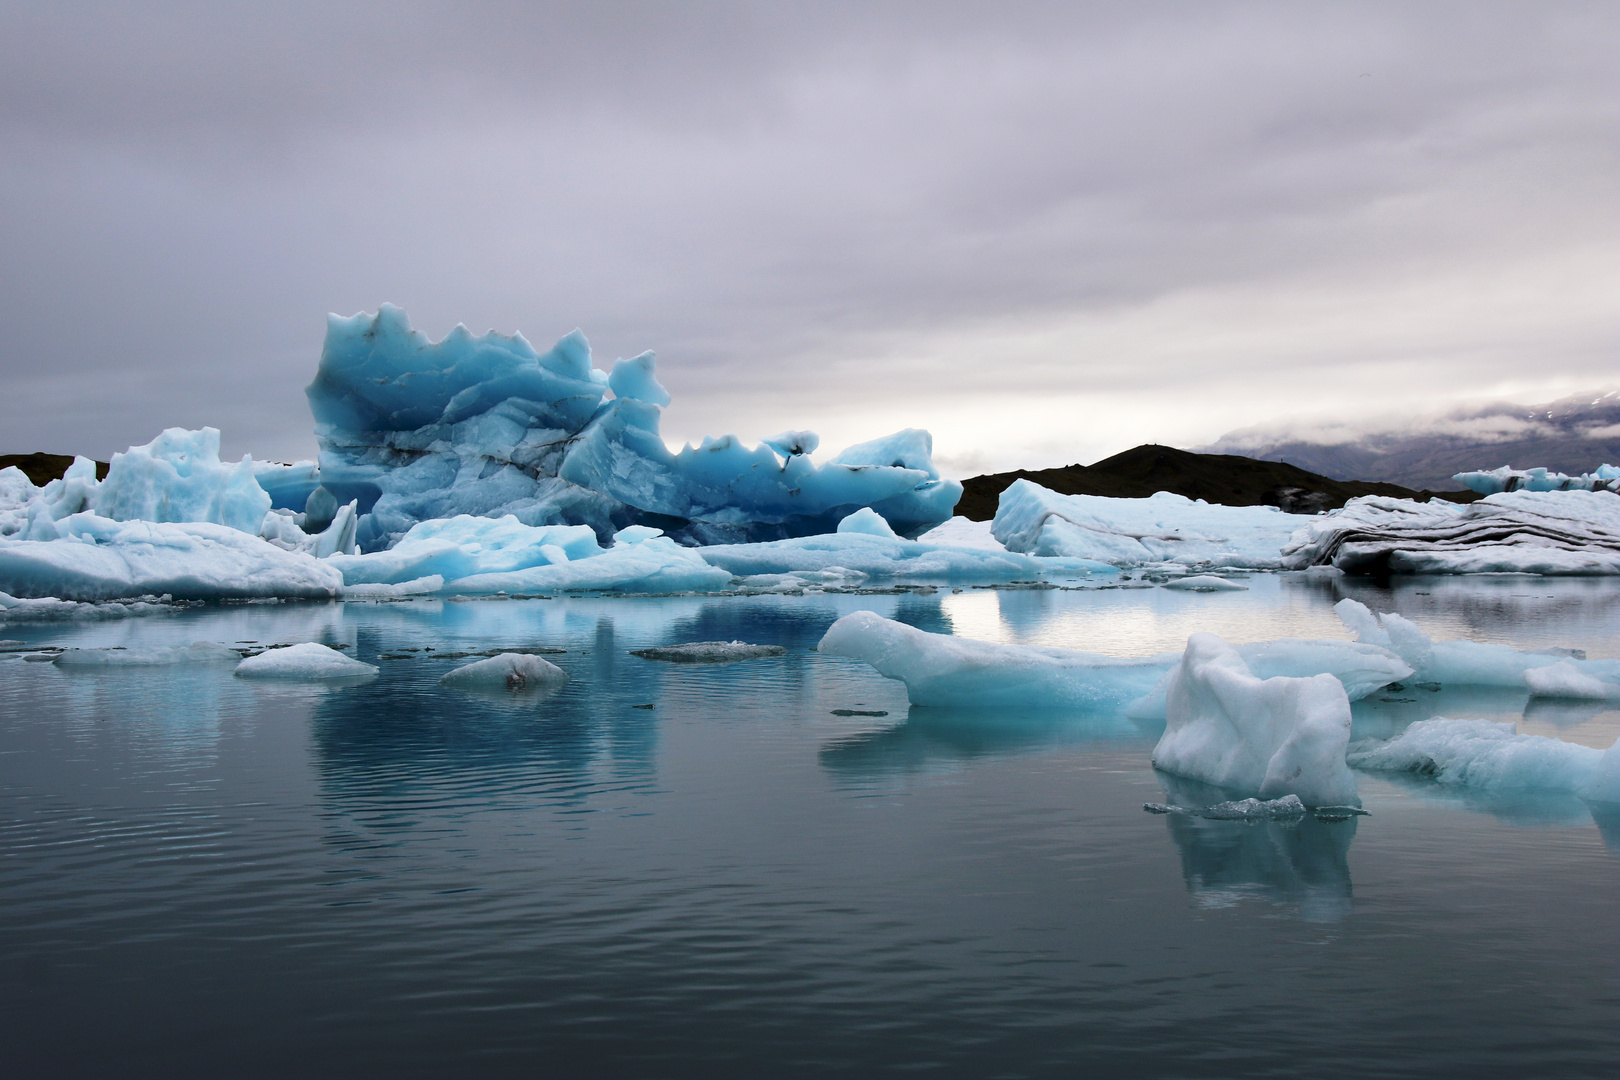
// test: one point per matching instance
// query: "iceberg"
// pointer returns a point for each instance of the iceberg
(94, 558)
(1287, 808)
(51, 609)
(1518, 532)
(1565, 680)
(1490, 756)
(873, 555)
(1205, 583)
(943, 670)
(1465, 663)
(1605, 478)
(512, 671)
(309, 662)
(1270, 737)
(487, 426)
(1125, 533)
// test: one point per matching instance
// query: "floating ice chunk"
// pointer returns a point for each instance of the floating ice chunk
(879, 557)
(635, 379)
(939, 669)
(464, 546)
(50, 609)
(912, 448)
(1605, 478)
(1527, 532)
(281, 528)
(1464, 663)
(1286, 808)
(1274, 737)
(1490, 756)
(709, 652)
(653, 565)
(867, 521)
(422, 586)
(635, 534)
(98, 558)
(1166, 528)
(201, 652)
(309, 661)
(514, 671)
(1205, 583)
(1565, 680)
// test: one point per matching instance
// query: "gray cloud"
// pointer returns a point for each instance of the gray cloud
(1046, 232)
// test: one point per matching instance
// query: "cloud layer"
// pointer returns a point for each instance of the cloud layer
(1045, 232)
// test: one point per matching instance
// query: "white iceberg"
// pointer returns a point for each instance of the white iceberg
(96, 558)
(944, 670)
(1564, 680)
(1287, 808)
(200, 652)
(512, 671)
(1461, 663)
(1205, 583)
(888, 557)
(50, 609)
(1520, 532)
(1494, 757)
(1166, 528)
(310, 662)
(1272, 737)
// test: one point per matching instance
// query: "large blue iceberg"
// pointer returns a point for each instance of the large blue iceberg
(414, 431)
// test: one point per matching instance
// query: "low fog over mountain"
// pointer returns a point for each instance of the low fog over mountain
(1572, 435)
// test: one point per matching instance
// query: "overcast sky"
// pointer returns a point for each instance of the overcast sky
(1045, 232)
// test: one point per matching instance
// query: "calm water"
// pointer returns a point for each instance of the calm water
(202, 876)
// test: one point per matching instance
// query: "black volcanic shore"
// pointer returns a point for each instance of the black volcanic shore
(1218, 478)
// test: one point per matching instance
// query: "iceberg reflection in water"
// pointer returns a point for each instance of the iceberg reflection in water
(744, 869)
(1303, 863)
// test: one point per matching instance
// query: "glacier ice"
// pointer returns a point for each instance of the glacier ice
(489, 426)
(940, 669)
(1270, 737)
(1166, 528)
(1462, 663)
(1491, 756)
(97, 558)
(52, 609)
(309, 662)
(1488, 482)
(1523, 532)
(1565, 680)
(888, 557)
(512, 671)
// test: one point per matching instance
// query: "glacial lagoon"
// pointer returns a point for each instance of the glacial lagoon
(774, 867)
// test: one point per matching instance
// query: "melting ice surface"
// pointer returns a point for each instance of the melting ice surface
(653, 864)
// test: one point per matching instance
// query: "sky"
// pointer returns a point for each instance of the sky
(1044, 232)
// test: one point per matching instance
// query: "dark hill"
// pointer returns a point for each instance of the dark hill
(1216, 478)
(43, 468)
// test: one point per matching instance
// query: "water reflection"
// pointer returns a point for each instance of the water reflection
(1301, 864)
(934, 740)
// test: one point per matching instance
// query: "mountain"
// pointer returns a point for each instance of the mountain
(1572, 435)
(1216, 478)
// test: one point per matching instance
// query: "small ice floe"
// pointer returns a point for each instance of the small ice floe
(1287, 808)
(1565, 680)
(200, 652)
(309, 661)
(709, 652)
(1489, 756)
(513, 671)
(1205, 583)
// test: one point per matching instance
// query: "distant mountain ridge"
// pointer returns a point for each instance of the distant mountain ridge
(1572, 435)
